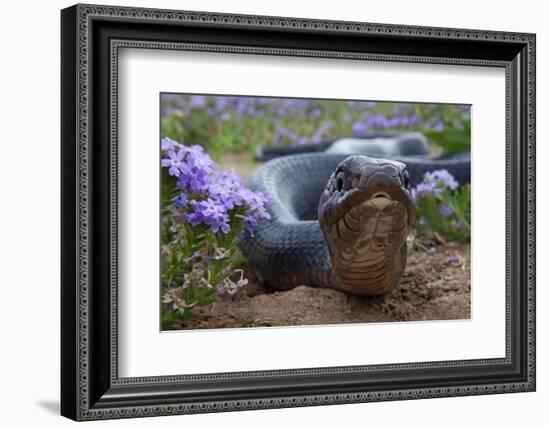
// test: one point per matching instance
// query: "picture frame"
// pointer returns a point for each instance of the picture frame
(90, 384)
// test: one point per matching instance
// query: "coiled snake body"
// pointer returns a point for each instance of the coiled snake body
(339, 221)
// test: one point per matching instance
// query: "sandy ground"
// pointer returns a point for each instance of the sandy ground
(434, 287)
(241, 164)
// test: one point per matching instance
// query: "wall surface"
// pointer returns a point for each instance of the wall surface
(29, 212)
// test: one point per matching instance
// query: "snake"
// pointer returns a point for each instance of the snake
(339, 221)
(376, 143)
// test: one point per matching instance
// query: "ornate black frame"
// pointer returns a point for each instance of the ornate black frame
(91, 37)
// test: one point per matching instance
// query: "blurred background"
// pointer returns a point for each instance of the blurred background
(232, 128)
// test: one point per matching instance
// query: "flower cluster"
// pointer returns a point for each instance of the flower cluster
(232, 287)
(205, 212)
(222, 107)
(434, 183)
(381, 122)
(210, 196)
(442, 206)
(282, 133)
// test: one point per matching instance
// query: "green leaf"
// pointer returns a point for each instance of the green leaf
(451, 140)
(168, 318)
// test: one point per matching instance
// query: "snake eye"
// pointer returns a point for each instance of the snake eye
(340, 180)
(406, 179)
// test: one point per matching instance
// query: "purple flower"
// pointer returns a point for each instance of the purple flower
(450, 259)
(173, 162)
(445, 210)
(199, 160)
(432, 250)
(413, 120)
(253, 112)
(189, 164)
(434, 183)
(208, 196)
(225, 189)
(180, 201)
(250, 222)
(442, 179)
(358, 128)
(210, 213)
(184, 162)
(165, 97)
(281, 111)
(221, 102)
(193, 181)
(438, 126)
(198, 101)
(378, 121)
(167, 144)
(169, 111)
(256, 203)
(382, 122)
(241, 105)
(423, 189)
(277, 138)
(315, 113)
(321, 131)
(283, 133)
(230, 179)
(394, 122)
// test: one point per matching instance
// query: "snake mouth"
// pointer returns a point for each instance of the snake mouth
(370, 219)
(334, 206)
(381, 199)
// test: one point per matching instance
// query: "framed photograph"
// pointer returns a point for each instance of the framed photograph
(263, 212)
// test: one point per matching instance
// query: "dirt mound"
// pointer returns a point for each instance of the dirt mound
(435, 286)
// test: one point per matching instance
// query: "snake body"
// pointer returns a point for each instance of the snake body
(338, 221)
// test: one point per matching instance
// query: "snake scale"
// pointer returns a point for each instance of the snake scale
(339, 221)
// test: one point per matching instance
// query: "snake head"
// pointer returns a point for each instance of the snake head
(365, 212)
(360, 178)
